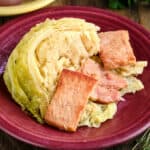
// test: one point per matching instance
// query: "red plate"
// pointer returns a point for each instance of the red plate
(133, 115)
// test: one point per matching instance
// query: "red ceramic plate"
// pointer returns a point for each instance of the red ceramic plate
(133, 115)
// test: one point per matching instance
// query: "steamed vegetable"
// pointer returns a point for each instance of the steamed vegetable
(34, 65)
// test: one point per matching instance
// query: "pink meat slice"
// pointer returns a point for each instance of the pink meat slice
(69, 100)
(113, 81)
(115, 49)
(104, 95)
(107, 88)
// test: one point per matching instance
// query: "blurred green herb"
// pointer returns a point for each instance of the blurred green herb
(146, 1)
(116, 4)
(144, 142)
(119, 4)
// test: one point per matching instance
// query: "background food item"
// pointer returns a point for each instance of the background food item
(70, 99)
(9, 2)
(35, 64)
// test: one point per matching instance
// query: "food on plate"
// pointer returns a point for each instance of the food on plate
(133, 85)
(132, 70)
(69, 100)
(116, 50)
(106, 90)
(35, 64)
(96, 113)
(68, 74)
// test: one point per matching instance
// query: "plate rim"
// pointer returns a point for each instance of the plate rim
(144, 32)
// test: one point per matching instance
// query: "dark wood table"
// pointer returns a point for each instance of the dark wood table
(139, 13)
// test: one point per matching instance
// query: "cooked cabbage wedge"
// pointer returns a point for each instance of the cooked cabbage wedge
(35, 64)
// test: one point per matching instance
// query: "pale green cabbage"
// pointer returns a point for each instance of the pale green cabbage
(133, 85)
(132, 70)
(34, 66)
(95, 114)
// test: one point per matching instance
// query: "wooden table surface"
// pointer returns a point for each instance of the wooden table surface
(139, 13)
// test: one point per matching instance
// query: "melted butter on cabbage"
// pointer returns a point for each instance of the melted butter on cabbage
(35, 64)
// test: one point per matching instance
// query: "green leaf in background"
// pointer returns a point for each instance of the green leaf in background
(147, 1)
(129, 2)
(120, 4)
(116, 4)
(144, 142)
